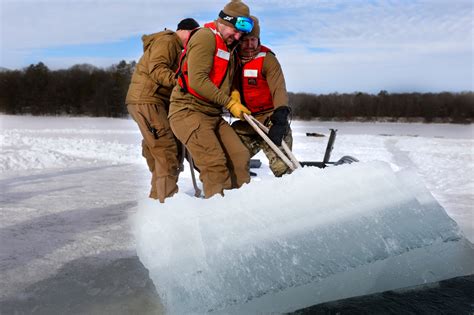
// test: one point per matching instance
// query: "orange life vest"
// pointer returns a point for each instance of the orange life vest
(219, 67)
(256, 92)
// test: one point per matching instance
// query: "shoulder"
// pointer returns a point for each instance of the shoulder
(203, 34)
(204, 37)
(270, 57)
(271, 63)
(166, 40)
(168, 37)
(165, 36)
(268, 52)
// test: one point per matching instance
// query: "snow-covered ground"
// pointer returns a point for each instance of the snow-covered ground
(70, 185)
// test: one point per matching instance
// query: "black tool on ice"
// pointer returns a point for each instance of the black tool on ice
(347, 159)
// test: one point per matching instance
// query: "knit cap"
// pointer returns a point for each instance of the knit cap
(235, 8)
(187, 24)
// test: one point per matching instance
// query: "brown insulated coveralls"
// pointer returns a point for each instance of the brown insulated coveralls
(217, 151)
(148, 103)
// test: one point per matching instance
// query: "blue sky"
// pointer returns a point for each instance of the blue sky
(324, 46)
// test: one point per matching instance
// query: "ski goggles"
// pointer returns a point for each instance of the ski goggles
(241, 23)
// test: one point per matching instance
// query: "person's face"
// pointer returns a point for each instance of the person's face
(248, 45)
(229, 34)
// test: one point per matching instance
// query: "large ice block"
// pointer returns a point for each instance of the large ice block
(307, 238)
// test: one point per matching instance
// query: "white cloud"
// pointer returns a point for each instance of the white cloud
(363, 37)
(357, 23)
(374, 45)
(40, 24)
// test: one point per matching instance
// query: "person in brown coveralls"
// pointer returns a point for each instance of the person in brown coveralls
(263, 92)
(205, 84)
(148, 104)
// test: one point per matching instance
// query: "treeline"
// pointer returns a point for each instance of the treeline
(82, 90)
(85, 90)
(429, 107)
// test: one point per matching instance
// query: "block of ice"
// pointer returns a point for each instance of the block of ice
(307, 238)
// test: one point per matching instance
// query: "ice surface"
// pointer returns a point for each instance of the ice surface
(314, 236)
(68, 186)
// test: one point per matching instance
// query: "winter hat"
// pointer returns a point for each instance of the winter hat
(235, 8)
(256, 28)
(187, 24)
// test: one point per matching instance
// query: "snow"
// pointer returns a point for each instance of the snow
(69, 187)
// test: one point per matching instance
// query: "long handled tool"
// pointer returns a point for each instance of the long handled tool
(262, 130)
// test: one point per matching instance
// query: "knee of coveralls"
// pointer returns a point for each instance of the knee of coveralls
(134, 111)
(249, 138)
(215, 175)
(237, 154)
(158, 139)
(277, 166)
(196, 131)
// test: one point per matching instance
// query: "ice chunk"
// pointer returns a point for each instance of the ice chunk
(307, 238)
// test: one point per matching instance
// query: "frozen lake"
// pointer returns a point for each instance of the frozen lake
(70, 185)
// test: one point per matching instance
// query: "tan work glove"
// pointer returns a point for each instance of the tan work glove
(235, 95)
(237, 109)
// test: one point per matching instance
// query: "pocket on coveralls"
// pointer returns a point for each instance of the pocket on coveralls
(159, 121)
(191, 125)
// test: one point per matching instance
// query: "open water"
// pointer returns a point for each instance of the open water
(123, 286)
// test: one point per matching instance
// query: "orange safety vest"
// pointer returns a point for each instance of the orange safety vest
(256, 92)
(219, 67)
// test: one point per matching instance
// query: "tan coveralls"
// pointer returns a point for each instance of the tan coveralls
(148, 103)
(273, 74)
(217, 151)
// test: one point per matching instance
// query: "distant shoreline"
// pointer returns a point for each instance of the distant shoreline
(442, 120)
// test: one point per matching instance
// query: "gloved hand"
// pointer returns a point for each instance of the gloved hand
(237, 109)
(235, 95)
(279, 127)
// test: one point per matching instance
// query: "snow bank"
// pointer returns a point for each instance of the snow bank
(314, 236)
(41, 149)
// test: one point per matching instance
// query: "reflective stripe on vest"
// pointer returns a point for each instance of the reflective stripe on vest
(219, 67)
(256, 92)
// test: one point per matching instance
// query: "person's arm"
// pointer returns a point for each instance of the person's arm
(200, 56)
(273, 73)
(276, 82)
(162, 61)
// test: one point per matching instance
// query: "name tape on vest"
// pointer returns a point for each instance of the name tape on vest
(250, 73)
(223, 54)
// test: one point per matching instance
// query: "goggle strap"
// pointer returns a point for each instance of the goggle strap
(228, 18)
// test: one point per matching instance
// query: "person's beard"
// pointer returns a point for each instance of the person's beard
(248, 54)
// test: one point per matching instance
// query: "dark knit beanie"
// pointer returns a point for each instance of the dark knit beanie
(235, 8)
(187, 24)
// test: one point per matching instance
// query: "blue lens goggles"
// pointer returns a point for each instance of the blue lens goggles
(241, 23)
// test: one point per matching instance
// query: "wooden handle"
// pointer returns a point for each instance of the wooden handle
(282, 156)
(290, 154)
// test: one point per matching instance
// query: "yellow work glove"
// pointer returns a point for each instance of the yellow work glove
(235, 95)
(237, 109)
